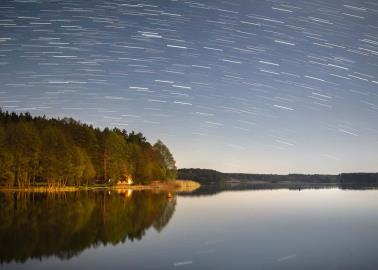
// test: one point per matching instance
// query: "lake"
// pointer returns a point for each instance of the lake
(252, 229)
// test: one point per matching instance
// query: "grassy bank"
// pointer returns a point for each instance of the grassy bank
(187, 185)
(174, 185)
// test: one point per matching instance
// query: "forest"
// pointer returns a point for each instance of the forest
(206, 177)
(66, 152)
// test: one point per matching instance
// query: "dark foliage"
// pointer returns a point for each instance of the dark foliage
(205, 176)
(356, 180)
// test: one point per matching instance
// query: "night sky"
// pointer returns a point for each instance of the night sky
(237, 86)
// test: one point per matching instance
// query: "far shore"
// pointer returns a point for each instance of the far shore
(172, 186)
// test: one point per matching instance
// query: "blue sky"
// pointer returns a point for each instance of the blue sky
(237, 86)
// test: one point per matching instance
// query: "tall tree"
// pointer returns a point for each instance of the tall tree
(6, 161)
(24, 144)
(117, 155)
(168, 160)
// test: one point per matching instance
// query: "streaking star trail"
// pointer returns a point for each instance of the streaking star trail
(252, 86)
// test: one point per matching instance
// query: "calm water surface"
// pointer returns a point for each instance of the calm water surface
(264, 229)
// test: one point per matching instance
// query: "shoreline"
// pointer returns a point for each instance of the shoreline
(175, 186)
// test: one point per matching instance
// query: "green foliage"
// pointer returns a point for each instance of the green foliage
(62, 152)
(6, 161)
(167, 160)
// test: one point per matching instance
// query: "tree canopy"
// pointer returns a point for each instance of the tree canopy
(62, 152)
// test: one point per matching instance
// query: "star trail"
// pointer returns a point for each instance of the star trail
(250, 86)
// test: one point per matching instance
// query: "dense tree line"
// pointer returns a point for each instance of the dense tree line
(213, 182)
(63, 152)
(205, 176)
(359, 180)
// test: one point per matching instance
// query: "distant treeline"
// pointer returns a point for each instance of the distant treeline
(205, 176)
(62, 152)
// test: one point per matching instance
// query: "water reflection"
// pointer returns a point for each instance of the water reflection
(213, 189)
(37, 225)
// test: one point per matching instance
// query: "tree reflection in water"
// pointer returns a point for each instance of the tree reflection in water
(37, 225)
